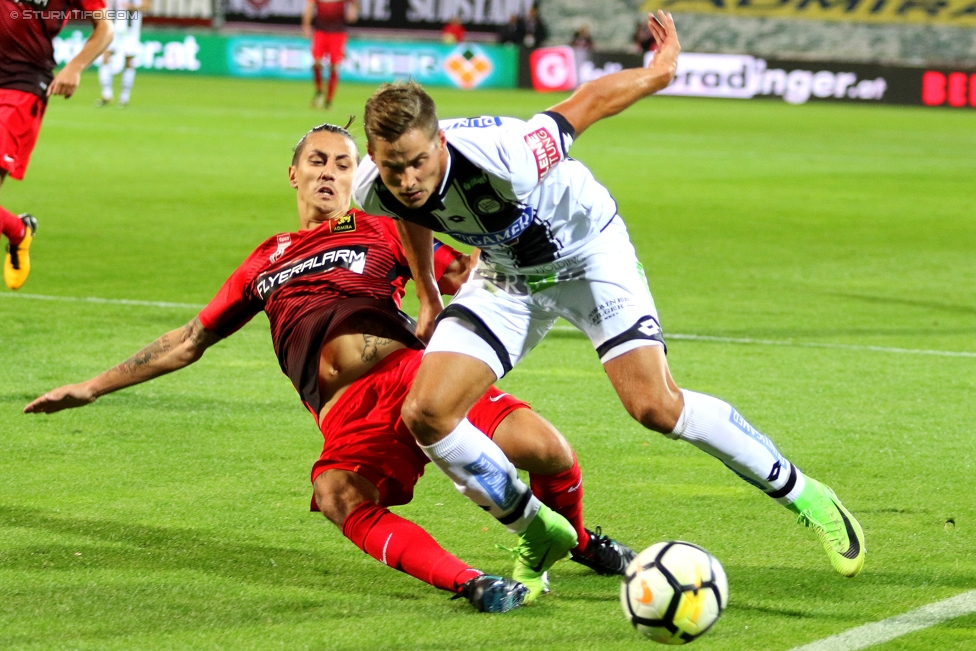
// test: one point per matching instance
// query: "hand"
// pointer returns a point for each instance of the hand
(66, 397)
(665, 35)
(427, 317)
(65, 82)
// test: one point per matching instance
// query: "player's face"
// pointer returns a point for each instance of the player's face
(324, 173)
(412, 167)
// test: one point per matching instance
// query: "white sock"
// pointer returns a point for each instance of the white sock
(482, 472)
(105, 79)
(128, 78)
(715, 427)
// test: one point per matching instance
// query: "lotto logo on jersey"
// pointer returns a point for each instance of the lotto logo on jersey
(352, 258)
(544, 149)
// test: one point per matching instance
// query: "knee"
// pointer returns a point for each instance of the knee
(426, 421)
(339, 492)
(556, 456)
(658, 411)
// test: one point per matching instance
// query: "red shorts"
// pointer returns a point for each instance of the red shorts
(364, 433)
(331, 43)
(20, 121)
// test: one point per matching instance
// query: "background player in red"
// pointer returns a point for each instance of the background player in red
(329, 19)
(331, 293)
(27, 32)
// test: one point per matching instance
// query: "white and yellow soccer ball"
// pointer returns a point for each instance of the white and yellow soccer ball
(673, 592)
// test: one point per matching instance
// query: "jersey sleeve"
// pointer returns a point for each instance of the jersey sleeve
(535, 149)
(444, 255)
(235, 304)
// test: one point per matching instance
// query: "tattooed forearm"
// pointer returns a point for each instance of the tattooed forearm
(198, 335)
(147, 355)
(371, 346)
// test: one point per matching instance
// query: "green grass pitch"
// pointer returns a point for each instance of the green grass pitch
(173, 515)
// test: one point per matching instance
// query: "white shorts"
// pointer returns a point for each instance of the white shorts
(126, 43)
(499, 317)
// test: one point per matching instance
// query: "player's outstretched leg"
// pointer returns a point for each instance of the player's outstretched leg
(128, 81)
(105, 76)
(318, 100)
(841, 535)
(644, 384)
(16, 264)
(604, 555)
(548, 538)
(493, 594)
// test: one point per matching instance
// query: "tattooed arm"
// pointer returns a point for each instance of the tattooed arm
(169, 353)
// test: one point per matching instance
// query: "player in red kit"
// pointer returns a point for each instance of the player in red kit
(331, 292)
(324, 23)
(27, 31)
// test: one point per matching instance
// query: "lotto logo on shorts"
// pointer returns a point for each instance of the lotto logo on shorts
(545, 150)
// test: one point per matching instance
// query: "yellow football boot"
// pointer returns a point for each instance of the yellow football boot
(16, 265)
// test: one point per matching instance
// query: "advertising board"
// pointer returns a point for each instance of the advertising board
(741, 76)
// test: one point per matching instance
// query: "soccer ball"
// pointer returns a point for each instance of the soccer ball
(673, 592)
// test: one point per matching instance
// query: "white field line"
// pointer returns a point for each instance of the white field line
(108, 301)
(673, 335)
(869, 635)
(802, 344)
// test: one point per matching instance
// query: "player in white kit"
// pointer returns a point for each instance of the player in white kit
(128, 25)
(552, 246)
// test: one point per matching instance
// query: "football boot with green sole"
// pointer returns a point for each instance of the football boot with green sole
(840, 534)
(548, 538)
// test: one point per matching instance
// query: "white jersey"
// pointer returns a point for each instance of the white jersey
(510, 189)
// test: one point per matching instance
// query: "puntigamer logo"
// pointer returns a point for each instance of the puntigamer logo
(352, 258)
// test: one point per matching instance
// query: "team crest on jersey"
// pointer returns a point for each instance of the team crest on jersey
(284, 241)
(487, 205)
(352, 258)
(544, 150)
(344, 224)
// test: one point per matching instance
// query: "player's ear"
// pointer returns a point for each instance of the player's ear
(442, 137)
(293, 176)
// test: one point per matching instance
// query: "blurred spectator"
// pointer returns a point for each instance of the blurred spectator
(513, 31)
(643, 38)
(581, 39)
(454, 31)
(534, 32)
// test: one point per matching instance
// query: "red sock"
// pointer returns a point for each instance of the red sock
(11, 226)
(563, 493)
(317, 73)
(333, 82)
(403, 545)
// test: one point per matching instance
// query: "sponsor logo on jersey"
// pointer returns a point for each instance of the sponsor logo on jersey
(344, 224)
(352, 258)
(495, 481)
(499, 237)
(284, 241)
(545, 150)
(476, 123)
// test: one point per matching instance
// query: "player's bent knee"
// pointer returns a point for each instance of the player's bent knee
(425, 421)
(339, 492)
(658, 412)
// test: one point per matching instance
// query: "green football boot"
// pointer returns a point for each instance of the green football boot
(548, 539)
(839, 532)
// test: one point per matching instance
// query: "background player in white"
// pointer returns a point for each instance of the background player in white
(128, 25)
(552, 246)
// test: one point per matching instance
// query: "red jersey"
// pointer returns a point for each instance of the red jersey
(27, 31)
(310, 282)
(330, 16)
